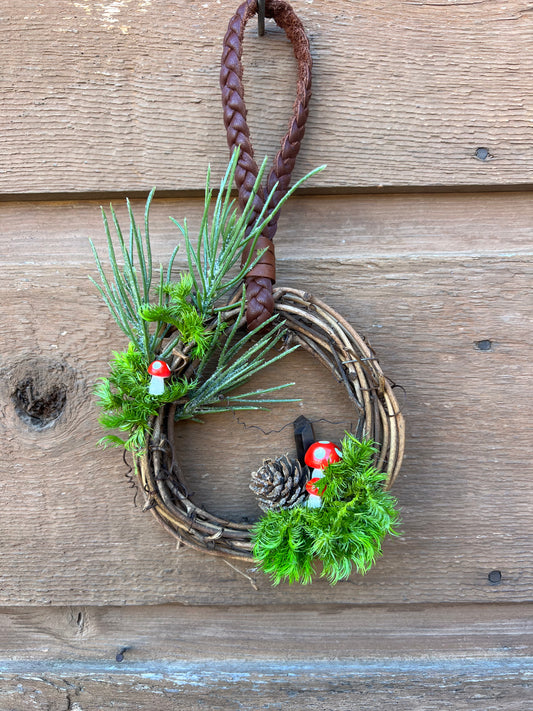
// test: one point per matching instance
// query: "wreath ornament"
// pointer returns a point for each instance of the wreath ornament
(195, 341)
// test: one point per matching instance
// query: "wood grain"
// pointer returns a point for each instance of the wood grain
(459, 685)
(75, 538)
(121, 96)
(403, 657)
(39, 233)
(289, 632)
(111, 98)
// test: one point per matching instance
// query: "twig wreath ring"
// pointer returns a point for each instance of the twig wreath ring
(194, 341)
(327, 336)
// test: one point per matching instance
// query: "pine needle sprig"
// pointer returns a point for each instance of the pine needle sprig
(239, 359)
(220, 246)
(161, 314)
(130, 289)
(345, 533)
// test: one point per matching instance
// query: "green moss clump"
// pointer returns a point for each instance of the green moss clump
(346, 532)
(127, 404)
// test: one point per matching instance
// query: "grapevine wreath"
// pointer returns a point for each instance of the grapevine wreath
(195, 340)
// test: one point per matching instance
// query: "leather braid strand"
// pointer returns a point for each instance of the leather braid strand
(260, 304)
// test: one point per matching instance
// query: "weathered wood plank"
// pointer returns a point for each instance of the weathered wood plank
(419, 657)
(464, 498)
(457, 685)
(333, 227)
(121, 96)
(284, 632)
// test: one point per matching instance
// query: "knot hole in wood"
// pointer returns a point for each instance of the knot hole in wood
(40, 391)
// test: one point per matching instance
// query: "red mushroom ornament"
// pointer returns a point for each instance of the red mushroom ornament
(317, 457)
(159, 370)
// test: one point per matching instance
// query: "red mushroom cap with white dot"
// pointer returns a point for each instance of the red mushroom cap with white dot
(320, 454)
(159, 368)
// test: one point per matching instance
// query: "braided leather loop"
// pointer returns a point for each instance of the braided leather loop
(260, 304)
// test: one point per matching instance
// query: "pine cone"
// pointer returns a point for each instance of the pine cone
(280, 484)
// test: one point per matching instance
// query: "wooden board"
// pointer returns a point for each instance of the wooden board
(94, 635)
(403, 657)
(70, 532)
(456, 686)
(426, 101)
(39, 233)
(121, 96)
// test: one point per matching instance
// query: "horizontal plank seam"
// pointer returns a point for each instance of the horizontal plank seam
(320, 191)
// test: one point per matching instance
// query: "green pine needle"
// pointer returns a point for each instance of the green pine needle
(186, 314)
(344, 534)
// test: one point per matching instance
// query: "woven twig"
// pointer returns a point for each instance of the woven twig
(318, 329)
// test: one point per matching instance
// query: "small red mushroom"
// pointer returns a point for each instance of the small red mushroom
(313, 488)
(317, 457)
(159, 370)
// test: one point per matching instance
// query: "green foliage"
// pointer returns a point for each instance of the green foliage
(126, 402)
(186, 313)
(344, 533)
(179, 311)
(238, 359)
(128, 290)
(221, 240)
